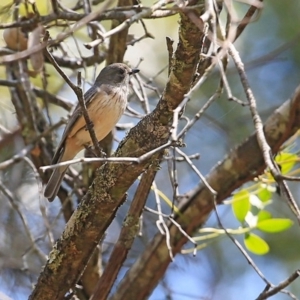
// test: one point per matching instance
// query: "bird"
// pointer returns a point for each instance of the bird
(105, 102)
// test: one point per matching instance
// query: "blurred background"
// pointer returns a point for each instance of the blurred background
(270, 50)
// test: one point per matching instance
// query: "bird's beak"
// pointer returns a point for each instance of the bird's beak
(133, 71)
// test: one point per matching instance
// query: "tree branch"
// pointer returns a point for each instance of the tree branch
(126, 237)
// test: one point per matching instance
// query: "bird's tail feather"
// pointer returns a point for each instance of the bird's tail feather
(54, 183)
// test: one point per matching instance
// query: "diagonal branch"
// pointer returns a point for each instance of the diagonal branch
(126, 237)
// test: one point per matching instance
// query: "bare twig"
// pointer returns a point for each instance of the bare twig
(202, 178)
(53, 99)
(161, 224)
(172, 168)
(278, 288)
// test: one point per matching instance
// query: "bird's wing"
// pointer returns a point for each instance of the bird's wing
(89, 97)
(60, 148)
(76, 121)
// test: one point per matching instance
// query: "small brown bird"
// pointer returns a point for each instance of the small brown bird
(105, 101)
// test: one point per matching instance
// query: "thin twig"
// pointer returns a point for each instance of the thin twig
(172, 169)
(128, 160)
(171, 219)
(202, 178)
(161, 224)
(53, 99)
(278, 288)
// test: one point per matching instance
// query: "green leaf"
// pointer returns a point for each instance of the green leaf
(286, 161)
(256, 244)
(263, 215)
(274, 225)
(241, 205)
(264, 194)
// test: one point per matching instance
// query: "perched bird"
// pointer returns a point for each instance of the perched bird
(105, 102)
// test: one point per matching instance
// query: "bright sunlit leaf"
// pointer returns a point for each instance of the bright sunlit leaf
(241, 204)
(264, 194)
(274, 225)
(286, 161)
(256, 244)
(263, 215)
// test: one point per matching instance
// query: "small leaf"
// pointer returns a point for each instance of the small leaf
(15, 39)
(274, 225)
(264, 194)
(241, 205)
(263, 215)
(256, 244)
(286, 161)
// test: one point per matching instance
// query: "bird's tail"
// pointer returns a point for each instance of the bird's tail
(54, 183)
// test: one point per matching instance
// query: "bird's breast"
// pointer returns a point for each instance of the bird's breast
(104, 111)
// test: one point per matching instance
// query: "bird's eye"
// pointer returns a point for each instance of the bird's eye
(121, 71)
